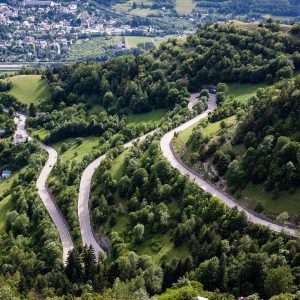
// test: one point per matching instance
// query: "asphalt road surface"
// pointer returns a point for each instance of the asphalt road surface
(50, 204)
(88, 236)
(165, 145)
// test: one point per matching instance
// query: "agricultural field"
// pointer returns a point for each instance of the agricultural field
(128, 7)
(182, 7)
(185, 6)
(94, 47)
(102, 48)
(7, 72)
(29, 88)
(136, 41)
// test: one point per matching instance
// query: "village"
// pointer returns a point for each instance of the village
(34, 31)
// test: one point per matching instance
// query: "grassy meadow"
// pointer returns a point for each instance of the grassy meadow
(29, 88)
(91, 48)
(211, 129)
(273, 204)
(76, 151)
(244, 91)
(152, 116)
(135, 41)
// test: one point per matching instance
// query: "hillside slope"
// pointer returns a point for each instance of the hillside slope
(162, 77)
(256, 154)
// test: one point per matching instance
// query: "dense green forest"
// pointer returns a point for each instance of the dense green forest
(168, 238)
(260, 147)
(270, 133)
(144, 200)
(29, 243)
(162, 77)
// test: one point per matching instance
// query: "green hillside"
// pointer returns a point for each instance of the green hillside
(255, 158)
(29, 88)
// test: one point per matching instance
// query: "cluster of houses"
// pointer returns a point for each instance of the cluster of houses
(35, 35)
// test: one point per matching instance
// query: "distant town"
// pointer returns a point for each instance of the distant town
(42, 31)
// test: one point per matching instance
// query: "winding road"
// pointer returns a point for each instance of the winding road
(41, 185)
(87, 233)
(165, 145)
(88, 236)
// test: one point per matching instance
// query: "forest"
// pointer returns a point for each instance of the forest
(162, 77)
(270, 133)
(268, 130)
(224, 252)
(168, 238)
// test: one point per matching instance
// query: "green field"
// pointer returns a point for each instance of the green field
(40, 134)
(6, 206)
(76, 152)
(152, 116)
(158, 41)
(185, 6)
(182, 7)
(91, 48)
(29, 88)
(243, 91)
(127, 7)
(3, 72)
(135, 41)
(284, 201)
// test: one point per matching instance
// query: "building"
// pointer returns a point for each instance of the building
(5, 174)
